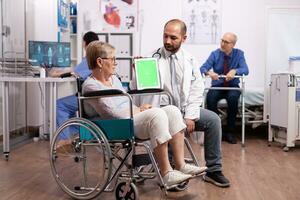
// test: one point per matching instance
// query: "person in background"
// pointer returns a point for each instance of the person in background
(227, 61)
(68, 106)
(181, 78)
(161, 125)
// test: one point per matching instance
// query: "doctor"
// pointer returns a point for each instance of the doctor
(181, 78)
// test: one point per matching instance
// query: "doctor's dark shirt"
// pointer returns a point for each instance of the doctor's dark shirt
(215, 61)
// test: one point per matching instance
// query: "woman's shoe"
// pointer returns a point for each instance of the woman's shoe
(192, 169)
(175, 177)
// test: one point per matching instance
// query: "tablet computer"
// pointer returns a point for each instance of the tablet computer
(147, 73)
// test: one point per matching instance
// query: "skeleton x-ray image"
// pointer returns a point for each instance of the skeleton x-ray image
(203, 19)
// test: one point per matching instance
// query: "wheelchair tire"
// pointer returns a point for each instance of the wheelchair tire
(81, 167)
(122, 194)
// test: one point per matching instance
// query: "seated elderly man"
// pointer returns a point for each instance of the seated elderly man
(161, 125)
(226, 61)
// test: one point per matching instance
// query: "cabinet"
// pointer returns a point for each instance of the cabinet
(285, 109)
(123, 42)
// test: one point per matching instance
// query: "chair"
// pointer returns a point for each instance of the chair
(103, 155)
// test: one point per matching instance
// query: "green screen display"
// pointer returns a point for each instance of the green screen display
(147, 73)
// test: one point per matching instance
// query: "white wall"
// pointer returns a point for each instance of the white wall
(246, 18)
(42, 20)
(88, 13)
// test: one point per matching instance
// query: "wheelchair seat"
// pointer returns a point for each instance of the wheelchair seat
(113, 129)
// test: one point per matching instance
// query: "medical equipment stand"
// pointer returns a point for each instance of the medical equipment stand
(242, 89)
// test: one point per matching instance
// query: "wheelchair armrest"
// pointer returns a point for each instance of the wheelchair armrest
(151, 92)
(64, 75)
(104, 93)
(145, 91)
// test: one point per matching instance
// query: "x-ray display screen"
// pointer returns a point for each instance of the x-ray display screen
(50, 54)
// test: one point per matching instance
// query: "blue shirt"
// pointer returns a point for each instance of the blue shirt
(82, 69)
(236, 60)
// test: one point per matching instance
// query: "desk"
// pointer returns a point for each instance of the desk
(50, 83)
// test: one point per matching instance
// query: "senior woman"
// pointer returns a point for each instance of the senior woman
(162, 125)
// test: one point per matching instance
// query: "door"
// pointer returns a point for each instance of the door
(282, 41)
(13, 28)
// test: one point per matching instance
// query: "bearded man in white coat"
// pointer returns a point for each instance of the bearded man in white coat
(180, 76)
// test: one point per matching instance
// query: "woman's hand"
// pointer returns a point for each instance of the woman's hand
(145, 107)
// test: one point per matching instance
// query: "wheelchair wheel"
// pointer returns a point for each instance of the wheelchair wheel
(126, 191)
(80, 158)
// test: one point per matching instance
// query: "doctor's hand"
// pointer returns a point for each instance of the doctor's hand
(136, 57)
(214, 76)
(230, 75)
(145, 107)
(190, 125)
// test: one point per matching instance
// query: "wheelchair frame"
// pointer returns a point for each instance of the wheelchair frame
(126, 180)
(242, 90)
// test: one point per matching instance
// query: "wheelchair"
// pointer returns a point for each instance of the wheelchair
(104, 155)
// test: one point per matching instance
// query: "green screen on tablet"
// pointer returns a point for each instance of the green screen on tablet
(147, 75)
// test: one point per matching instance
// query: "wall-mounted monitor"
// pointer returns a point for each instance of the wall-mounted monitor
(50, 54)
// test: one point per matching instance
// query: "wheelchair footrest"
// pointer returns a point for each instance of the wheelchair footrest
(140, 160)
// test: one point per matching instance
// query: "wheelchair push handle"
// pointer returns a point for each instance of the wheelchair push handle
(101, 93)
(145, 91)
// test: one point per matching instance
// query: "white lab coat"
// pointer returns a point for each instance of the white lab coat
(191, 89)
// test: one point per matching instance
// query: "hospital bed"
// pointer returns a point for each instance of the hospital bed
(250, 106)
